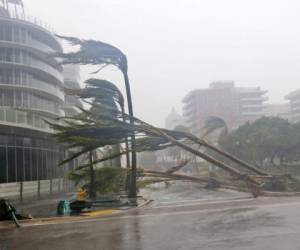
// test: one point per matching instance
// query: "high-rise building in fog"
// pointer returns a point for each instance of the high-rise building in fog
(223, 99)
(31, 91)
(294, 99)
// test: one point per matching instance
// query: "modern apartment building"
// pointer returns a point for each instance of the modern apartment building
(31, 92)
(223, 99)
(294, 99)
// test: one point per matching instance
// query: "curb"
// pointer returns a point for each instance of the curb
(60, 220)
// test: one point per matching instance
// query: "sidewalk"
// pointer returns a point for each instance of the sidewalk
(41, 208)
(44, 211)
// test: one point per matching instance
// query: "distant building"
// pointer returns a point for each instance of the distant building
(278, 110)
(222, 99)
(294, 99)
(173, 120)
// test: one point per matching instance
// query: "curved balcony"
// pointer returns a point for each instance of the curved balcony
(44, 69)
(38, 49)
(40, 46)
(29, 43)
(51, 113)
(39, 87)
(48, 112)
(35, 25)
(19, 119)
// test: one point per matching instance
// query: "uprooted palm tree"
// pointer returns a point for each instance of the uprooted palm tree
(98, 53)
(99, 129)
(211, 125)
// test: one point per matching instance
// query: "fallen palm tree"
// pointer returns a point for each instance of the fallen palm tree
(204, 181)
(96, 128)
(212, 124)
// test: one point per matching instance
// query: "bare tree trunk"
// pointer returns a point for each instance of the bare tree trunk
(92, 191)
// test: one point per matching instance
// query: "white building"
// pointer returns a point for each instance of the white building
(294, 99)
(31, 92)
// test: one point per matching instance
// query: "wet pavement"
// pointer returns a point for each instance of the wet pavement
(183, 216)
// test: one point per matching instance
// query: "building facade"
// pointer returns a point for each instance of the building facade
(294, 102)
(31, 93)
(223, 99)
(71, 75)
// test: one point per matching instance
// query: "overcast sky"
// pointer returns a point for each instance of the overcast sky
(174, 46)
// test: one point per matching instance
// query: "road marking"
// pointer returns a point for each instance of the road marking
(100, 212)
(211, 202)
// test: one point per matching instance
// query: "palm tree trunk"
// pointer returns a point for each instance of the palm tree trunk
(116, 149)
(92, 190)
(231, 157)
(126, 143)
(208, 158)
(132, 188)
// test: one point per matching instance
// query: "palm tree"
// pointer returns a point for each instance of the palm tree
(210, 125)
(99, 92)
(103, 54)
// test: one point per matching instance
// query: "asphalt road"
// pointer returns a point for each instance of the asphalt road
(182, 217)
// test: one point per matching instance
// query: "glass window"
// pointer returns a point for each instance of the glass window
(2, 115)
(27, 164)
(3, 170)
(11, 164)
(20, 164)
(21, 117)
(10, 115)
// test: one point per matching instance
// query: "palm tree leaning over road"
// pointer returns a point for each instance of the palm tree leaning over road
(210, 125)
(98, 53)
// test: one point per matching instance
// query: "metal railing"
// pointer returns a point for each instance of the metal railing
(39, 86)
(35, 64)
(32, 20)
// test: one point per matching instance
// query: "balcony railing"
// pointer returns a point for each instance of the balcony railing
(35, 64)
(39, 86)
(32, 20)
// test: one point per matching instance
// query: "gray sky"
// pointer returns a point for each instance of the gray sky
(174, 46)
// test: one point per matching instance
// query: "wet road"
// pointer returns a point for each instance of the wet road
(179, 219)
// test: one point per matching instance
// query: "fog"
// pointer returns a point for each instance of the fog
(174, 46)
